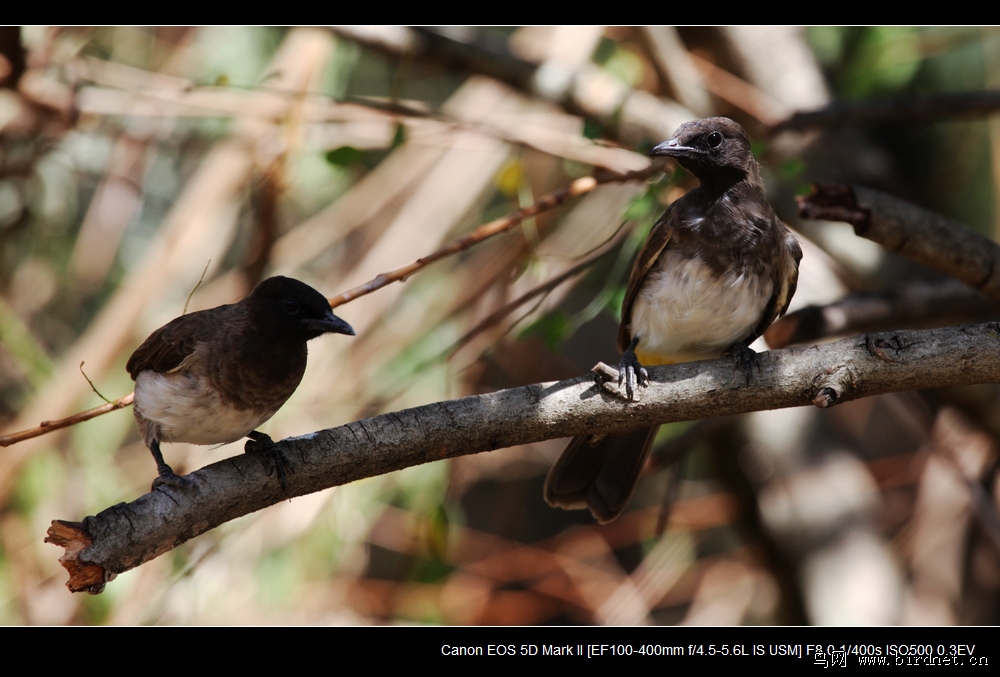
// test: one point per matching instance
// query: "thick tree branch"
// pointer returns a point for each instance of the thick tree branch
(127, 535)
(902, 227)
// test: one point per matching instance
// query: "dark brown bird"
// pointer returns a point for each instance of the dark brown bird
(717, 269)
(213, 376)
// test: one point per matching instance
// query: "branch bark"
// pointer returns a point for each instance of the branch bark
(126, 535)
(902, 227)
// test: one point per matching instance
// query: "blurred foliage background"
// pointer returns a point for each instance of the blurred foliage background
(134, 161)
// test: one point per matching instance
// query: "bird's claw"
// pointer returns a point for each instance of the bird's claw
(745, 359)
(278, 463)
(632, 374)
(166, 477)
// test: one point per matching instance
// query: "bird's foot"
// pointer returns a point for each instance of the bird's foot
(166, 475)
(168, 478)
(745, 359)
(631, 373)
(278, 463)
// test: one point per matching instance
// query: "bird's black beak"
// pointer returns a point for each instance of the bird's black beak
(331, 324)
(672, 148)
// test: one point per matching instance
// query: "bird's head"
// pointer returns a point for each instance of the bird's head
(713, 149)
(294, 309)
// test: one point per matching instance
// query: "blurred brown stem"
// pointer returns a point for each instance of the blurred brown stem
(912, 109)
(915, 306)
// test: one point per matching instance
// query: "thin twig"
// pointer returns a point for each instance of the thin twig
(195, 288)
(92, 386)
(576, 188)
(49, 426)
(544, 288)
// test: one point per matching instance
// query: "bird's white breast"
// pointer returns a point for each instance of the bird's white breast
(684, 311)
(185, 408)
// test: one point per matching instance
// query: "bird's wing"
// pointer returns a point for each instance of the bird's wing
(786, 278)
(657, 241)
(168, 347)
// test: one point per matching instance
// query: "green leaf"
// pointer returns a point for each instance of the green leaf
(592, 129)
(399, 138)
(344, 156)
(438, 528)
(791, 169)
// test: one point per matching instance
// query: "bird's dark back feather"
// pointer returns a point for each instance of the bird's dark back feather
(167, 347)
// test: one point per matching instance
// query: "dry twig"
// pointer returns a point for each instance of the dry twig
(576, 188)
(49, 426)
(542, 289)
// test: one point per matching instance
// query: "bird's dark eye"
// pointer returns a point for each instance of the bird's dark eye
(714, 139)
(290, 306)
